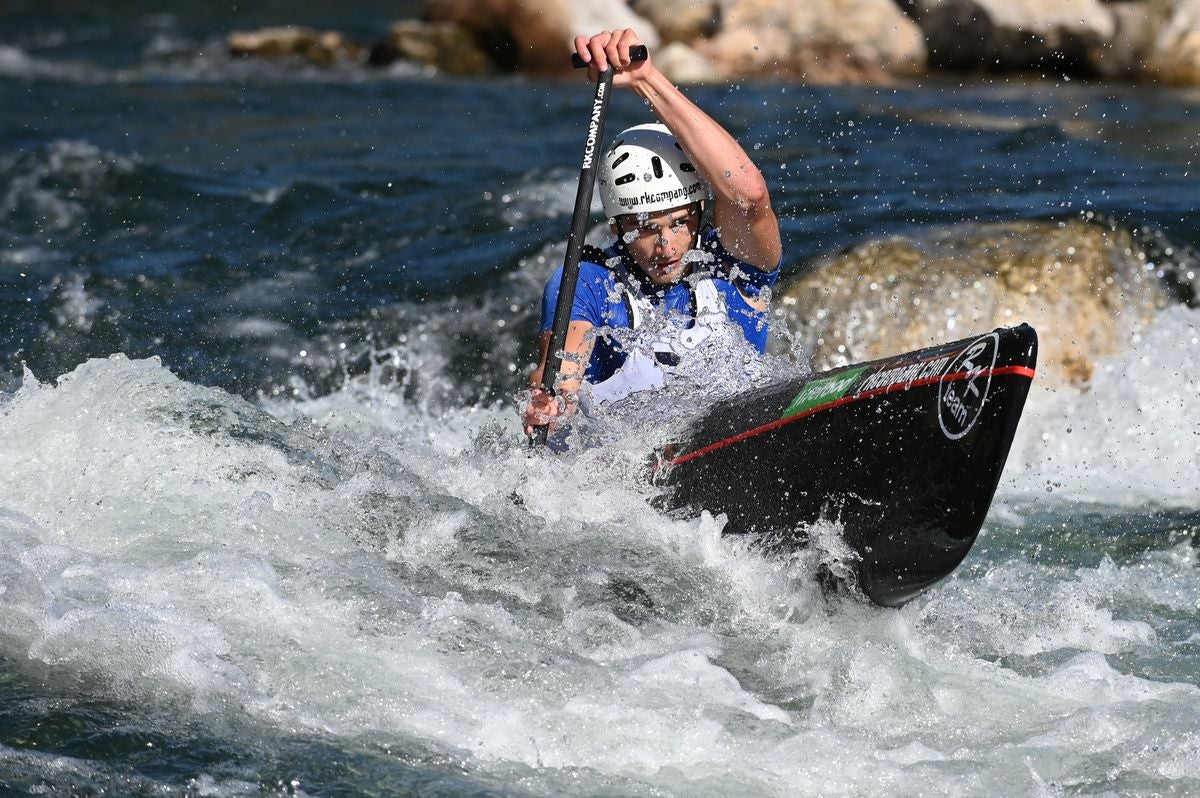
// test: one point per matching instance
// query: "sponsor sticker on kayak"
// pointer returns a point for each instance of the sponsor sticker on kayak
(964, 387)
(904, 373)
(823, 391)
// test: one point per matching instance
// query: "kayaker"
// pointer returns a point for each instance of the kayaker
(654, 183)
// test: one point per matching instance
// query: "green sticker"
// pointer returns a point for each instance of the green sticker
(823, 391)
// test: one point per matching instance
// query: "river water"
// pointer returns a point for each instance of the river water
(267, 523)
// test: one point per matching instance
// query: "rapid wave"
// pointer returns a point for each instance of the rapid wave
(396, 574)
(1130, 438)
(56, 187)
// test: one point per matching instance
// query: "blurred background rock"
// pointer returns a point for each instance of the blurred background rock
(817, 41)
(1088, 285)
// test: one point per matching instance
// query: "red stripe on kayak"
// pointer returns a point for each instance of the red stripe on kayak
(1019, 371)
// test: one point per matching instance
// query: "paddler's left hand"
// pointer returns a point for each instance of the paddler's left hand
(612, 47)
(544, 409)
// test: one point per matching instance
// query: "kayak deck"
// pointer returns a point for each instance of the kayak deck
(905, 452)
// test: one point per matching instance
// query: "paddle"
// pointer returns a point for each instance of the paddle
(579, 220)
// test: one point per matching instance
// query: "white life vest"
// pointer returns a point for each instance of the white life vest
(640, 372)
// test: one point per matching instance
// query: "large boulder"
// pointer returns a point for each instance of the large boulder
(287, 41)
(1083, 285)
(536, 35)
(818, 40)
(1003, 35)
(1135, 25)
(1175, 54)
(683, 64)
(681, 20)
(446, 46)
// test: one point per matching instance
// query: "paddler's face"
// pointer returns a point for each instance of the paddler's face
(657, 242)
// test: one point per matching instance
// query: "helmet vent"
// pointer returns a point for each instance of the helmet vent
(647, 170)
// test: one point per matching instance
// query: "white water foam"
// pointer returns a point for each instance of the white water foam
(33, 767)
(43, 187)
(532, 613)
(16, 62)
(1131, 438)
(538, 197)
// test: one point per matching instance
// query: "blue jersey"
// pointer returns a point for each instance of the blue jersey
(598, 302)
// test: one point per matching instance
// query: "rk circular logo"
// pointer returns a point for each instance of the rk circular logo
(963, 389)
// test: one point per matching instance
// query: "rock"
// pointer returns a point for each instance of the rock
(323, 48)
(820, 40)
(1082, 284)
(680, 20)
(536, 37)
(591, 16)
(1175, 55)
(1003, 35)
(682, 64)
(446, 46)
(750, 49)
(1135, 25)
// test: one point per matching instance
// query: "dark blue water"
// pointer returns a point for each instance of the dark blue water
(260, 331)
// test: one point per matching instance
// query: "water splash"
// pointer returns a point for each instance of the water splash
(1130, 438)
(48, 190)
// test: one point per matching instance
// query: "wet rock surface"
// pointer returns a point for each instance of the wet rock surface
(324, 48)
(445, 46)
(1174, 56)
(1086, 286)
(1013, 34)
(535, 37)
(818, 41)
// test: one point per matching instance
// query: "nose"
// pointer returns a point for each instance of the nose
(663, 240)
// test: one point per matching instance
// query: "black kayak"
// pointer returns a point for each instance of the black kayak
(905, 452)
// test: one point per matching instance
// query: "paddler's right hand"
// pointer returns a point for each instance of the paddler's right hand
(545, 409)
(611, 47)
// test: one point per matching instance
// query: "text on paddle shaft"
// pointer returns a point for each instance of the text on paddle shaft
(594, 127)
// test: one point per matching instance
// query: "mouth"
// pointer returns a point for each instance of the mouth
(664, 272)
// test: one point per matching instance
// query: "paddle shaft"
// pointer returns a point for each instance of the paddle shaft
(579, 222)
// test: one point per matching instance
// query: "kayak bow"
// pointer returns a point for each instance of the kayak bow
(905, 452)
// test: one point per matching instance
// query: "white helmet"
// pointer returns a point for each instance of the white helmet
(647, 171)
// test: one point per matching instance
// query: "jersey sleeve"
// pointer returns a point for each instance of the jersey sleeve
(591, 292)
(750, 279)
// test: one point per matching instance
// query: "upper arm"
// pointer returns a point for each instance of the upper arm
(750, 229)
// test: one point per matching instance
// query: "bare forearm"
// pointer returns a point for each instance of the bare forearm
(577, 352)
(742, 208)
(721, 160)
